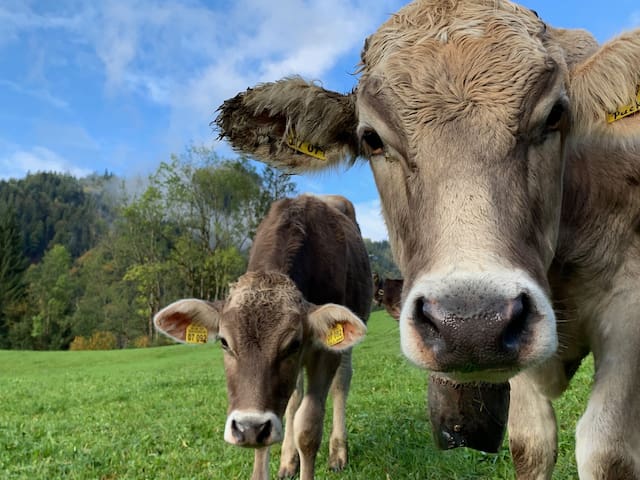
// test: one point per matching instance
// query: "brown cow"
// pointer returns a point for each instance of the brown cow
(308, 271)
(507, 158)
(387, 292)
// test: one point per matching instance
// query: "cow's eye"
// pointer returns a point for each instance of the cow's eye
(371, 140)
(555, 117)
(223, 343)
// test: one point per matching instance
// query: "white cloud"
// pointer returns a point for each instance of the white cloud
(189, 56)
(369, 215)
(38, 94)
(38, 159)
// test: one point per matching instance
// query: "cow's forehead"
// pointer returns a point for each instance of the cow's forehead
(452, 20)
(438, 57)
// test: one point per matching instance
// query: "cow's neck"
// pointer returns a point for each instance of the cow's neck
(600, 223)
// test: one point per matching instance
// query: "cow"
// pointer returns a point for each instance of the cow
(506, 153)
(388, 292)
(301, 305)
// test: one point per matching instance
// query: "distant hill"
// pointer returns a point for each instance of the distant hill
(54, 208)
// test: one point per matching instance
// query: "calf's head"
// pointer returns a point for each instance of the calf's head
(265, 328)
(464, 111)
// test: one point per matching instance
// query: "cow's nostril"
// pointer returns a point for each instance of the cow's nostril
(425, 317)
(264, 432)
(237, 431)
(517, 316)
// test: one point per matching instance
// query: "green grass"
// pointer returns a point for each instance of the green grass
(159, 414)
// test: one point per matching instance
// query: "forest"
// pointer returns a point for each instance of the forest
(85, 263)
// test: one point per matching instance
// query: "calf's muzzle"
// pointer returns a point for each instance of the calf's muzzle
(252, 429)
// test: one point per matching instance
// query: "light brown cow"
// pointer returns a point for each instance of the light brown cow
(507, 158)
(301, 305)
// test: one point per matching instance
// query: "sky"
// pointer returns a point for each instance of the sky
(118, 85)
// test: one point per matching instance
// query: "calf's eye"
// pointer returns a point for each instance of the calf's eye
(223, 343)
(293, 347)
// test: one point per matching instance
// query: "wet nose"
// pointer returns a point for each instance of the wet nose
(252, 429)
(487, 333)
(251, 433)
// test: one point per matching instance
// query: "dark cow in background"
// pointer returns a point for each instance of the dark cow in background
(388, 292)
(507, 157)
(301, 305)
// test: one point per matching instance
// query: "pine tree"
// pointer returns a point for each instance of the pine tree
(12, 267)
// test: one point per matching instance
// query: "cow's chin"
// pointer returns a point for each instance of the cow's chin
(423, 357)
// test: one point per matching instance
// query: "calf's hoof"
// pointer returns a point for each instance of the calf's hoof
(337, 454)
(288, 469)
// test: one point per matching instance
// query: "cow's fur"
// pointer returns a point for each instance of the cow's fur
(489, 194)
(308, 270)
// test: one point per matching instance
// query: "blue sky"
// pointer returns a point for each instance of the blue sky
(119, 85)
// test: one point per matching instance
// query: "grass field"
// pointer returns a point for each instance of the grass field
(159, 414)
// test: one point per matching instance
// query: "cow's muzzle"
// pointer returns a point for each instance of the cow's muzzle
(476, 328)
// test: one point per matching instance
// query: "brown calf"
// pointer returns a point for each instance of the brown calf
(301, 305)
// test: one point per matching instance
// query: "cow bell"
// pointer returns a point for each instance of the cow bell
(470, 415)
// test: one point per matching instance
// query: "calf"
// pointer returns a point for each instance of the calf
(301, 304)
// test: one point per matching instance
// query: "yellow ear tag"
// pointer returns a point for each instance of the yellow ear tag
(335, 335)
(196, 334)
(306, 148)
(625, 110)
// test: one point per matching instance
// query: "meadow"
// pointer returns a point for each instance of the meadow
(159, 413)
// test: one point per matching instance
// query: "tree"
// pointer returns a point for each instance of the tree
(381, 259)
(12, 267)
(52, 296)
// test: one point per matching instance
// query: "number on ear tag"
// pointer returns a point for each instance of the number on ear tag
(335, 335)
(196, 334)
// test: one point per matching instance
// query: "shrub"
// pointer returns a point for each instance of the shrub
(79, 343)
(142, 342)
(97, 341)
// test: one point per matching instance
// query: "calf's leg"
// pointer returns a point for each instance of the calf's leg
(338, 448)
(260, 464)
(289, 460)
(309, 417)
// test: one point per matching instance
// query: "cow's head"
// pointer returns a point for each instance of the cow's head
(265, 327)
(465, 111)
(388, 293)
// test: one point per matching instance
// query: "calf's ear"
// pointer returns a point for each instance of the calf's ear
(335, 327)
(190, 320)
(291, 124)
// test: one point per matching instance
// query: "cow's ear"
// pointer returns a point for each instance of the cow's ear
(190, 320)
(605, 91)
(577, 45)
(291, 124)
(335, 327)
